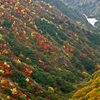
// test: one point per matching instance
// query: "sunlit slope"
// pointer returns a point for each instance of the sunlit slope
(91, 91)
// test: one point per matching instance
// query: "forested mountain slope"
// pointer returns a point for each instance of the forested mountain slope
(43, 53)
(91, 8)
(70, 12)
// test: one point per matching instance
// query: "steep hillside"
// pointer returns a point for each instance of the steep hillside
(70, 12)
(43, 53)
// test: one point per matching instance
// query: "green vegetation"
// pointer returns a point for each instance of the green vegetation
(43, 54)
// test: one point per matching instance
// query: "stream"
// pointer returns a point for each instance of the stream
(92, 21)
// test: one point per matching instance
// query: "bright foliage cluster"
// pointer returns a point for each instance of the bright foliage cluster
(91, 91)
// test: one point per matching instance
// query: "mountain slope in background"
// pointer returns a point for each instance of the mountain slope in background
(90, 7)
(43, 53)
(70, 12)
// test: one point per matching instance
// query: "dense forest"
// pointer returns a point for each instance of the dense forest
(45, 55)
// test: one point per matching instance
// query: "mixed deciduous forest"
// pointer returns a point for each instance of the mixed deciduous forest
(45, 55)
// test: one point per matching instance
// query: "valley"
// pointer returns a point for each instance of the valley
(90, 8)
